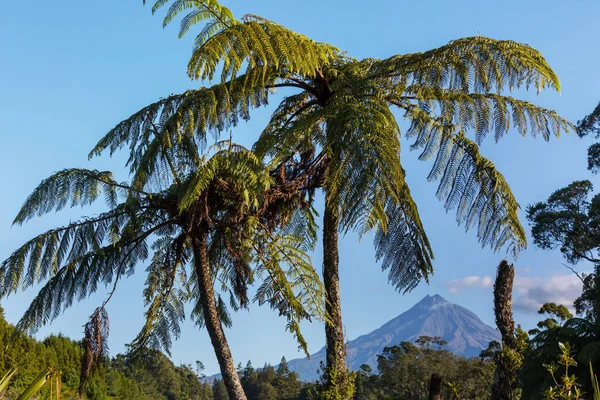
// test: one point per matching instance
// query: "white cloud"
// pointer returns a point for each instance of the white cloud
(457, 285)
(530, 292)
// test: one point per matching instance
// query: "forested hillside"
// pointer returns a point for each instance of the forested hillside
(405, 371)
(150, 375)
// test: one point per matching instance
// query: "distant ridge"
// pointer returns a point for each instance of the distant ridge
(465, 333)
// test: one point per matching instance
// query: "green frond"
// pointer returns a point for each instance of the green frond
(293, 125)
(190, 117)
(589, 353)
(291, 285)
(71, 187)
(484, 113)
(259, 44)
(43, 255)
(468, 182)
(403, 247)
(80, 278)
(74, 260)
(303, 225)
(238, 169)
(474, 64)
(210, 11)
(164, 296)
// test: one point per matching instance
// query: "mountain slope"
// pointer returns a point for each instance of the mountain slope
(465, 333)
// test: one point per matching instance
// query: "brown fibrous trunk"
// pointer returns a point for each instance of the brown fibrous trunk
(212, 321)
(334, 329)
(502, 387)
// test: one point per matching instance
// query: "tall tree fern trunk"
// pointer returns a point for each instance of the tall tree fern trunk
(505, 375)
(337, 378)
(213, 323)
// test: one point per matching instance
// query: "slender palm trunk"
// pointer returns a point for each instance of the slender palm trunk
(504, 376)
(213, 324)
(334, 331)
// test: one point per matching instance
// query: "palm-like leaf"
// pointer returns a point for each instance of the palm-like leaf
(472, 65)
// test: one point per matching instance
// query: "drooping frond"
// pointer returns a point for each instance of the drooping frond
(193, 114)
(372, 194)
(164, 295)
(403, 247)
(472, 65)
(218, 16)
(468, 182)
(485, 113)
(86, 264)
(259, 44)
(95, 344)
(77, 280)
(290, 284)
(71, 187)
(42, 256)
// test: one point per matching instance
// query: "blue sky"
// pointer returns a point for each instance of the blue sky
(71, 70)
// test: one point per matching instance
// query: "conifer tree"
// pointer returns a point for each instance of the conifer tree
(286, 382)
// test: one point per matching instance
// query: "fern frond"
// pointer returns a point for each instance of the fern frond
(80, 278)
(164, 296)
(260, 44)
(42, 256)
(71, 187)
(291, 286)
(468, 182)
(484, 113)
(190, 116)
(472, 65)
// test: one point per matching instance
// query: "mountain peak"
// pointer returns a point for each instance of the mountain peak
(465, 333)
(431, 300)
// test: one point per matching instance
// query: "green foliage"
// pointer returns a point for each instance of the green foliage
(590, 125)
(595, 385)
(150, 375)
(583, 338)
(445, 93)
(405, 371)
(558, 313)
(268, 383)
(335, 383)
(567, 388)
(569, 220)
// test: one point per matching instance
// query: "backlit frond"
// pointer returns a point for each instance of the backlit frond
(485, 113)
(42, 256)
(70, 187)
(164, 296)
(468, 182)
(291, 284)
(475, 64)
(259, 44)
(78, 279)
(194, 114)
